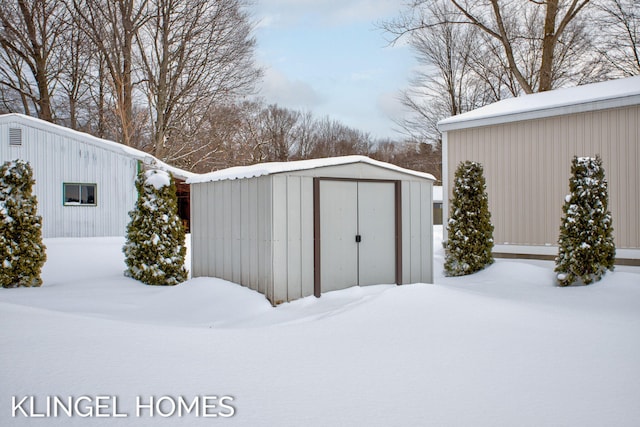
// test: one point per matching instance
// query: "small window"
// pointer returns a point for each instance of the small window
(15, 136)
(80, 194)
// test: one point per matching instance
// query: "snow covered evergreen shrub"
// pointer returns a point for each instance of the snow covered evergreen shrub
(585, 246)
(154, 250)
(22, 253)
(469, 230)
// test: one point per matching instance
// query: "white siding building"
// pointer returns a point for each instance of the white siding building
(291, 230)
(85, 185)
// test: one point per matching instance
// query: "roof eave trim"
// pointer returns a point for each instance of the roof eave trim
(95, 141)
(603, 104)
(303, 165)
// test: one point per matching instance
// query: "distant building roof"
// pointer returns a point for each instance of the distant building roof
(241, 172)
(90, 139)
(591, 97)
(437, 193)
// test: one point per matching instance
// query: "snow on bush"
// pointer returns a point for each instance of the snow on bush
(155, 249)
(22, 253)
(470, 232)
(585, 245)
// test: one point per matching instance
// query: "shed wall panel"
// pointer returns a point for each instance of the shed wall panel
(211, 229)
(218, 205)
(245, 242)
(527, 168)
(426, 233)
(417, 234)
(415, 223)
(253, 238)
(306, 235)
(294, 236)
(281, 262)
(206, 236)
(265, 246)
(406, 231)
(236, 231)
(227, 232)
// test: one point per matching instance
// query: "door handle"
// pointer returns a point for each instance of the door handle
(358, 238)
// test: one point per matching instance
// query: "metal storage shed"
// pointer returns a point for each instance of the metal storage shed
(526, 145)
(295, 229)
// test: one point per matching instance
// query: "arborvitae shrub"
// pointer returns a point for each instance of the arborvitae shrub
(585, 246)
(470, 232)
(22, 253)
(154, 250)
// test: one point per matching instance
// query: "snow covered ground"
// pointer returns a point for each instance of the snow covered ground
(503, 347)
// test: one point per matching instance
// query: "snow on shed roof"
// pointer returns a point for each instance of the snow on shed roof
(241, 172)
(90, 139)
(596, 96)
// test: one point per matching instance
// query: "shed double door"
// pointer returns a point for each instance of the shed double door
(357, 234)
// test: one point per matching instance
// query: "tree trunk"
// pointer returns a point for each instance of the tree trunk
(548, 46)
(127, 84)
(38, 34)
(44, 100)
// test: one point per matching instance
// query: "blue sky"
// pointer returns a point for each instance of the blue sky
(329, 57)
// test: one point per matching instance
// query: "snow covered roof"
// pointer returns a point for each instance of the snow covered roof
(591, 97)
(90, 139)
(241, 172)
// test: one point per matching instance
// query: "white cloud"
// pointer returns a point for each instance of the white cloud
(280, 89)
(327, 12)
(267, 20)
(390, 105)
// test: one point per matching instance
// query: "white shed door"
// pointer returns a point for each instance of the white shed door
(338, 228)
(377, 230)
(352, 211)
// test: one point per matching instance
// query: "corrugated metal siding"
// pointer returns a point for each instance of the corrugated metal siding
(417, 235)
(528, 165)
(231, 236)
(258, 232)
(58, 159)
(292, 237)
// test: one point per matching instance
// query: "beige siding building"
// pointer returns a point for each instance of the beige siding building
(526, 145)
(296, 229)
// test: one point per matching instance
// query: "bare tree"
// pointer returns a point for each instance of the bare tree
(540, 40)
(305, 135)
(102, 121)
(460, 70)
(112, 26)
(413, 155)
(30, 35)
(15, 88)
(76, 59)
(336, 139)
(618, 24)
(194, 54)
(227, 135)
(277, 133)
(530, 33)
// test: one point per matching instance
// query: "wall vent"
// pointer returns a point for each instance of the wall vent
(15, 136)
